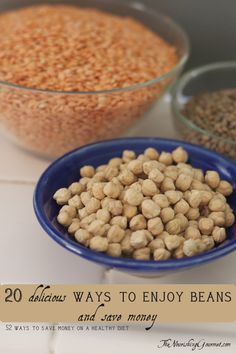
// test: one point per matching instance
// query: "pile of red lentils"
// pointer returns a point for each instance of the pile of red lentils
(66, 48)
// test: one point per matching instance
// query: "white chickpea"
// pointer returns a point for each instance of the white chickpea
(181, 207)
(195, 198)
(183, 182)
(206, 226)
(87, 220)
(155, 226)
(93, 205)
(162, 235)
(148, 166)
(190, 248)
(138, 239)
(167, 185)
(172, 242)
(138, 222)
(76, 188)
(173, 227)
(205, 197)
(87, 171)
(155, 244)
(149, 188)
(219, 234)
(85, 197)
(71, 210)
(101, 168)
(218, 217)
(115, 234)
(216, 204)
(114, 249)
(180, 155)
(111, 172)
(178, 253)
(64, 218)
(111, 190)
(115, 207)
(192, 233)
(151, 153)
(97, 190)
(183, 221)
(133, 197)
(193, 223)
(128, 155)
(161, 254)
(150, 209)
(82, 213)
(84, 181)
(83, 237)
(193, 213)
(142, 254)
(208, 241)
(173, 196)
(212, 178)
(142, 158)
(96, 227)
(62, 196)
(115, 162)
(129, 211)
(198, 174)
(99, 177)
(171, 172)
(167, 214)
(103, 215)
(229, 218)
(161, 200)
(200, 245)
(106, 202)
(156, 176)
(74, 226)
(225, 188)
(99, 244)
(166, 158)
(135, 166)
(76, 202)
(137, 185)
(126, 247)
(120, 221)
(126, 177)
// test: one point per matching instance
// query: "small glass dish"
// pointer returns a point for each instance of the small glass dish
(208, 78)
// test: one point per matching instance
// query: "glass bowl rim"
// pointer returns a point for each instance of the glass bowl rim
(183, 82)
(121, 262)
(149, 11)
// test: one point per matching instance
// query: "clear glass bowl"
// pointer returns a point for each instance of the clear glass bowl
(51, 123)
(209, 78)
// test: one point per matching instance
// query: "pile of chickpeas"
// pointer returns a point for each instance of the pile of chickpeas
(151, 206)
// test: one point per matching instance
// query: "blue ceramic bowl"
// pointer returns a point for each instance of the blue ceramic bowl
(66, 169)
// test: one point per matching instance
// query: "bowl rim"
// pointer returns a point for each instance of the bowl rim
(185, 80)
(126, 263)
(149, 11)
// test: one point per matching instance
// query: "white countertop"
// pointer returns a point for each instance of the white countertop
(28, 255)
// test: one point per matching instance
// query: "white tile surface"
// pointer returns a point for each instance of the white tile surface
(27, 254)
(18, 164)
(138, 341)
(27, 341)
